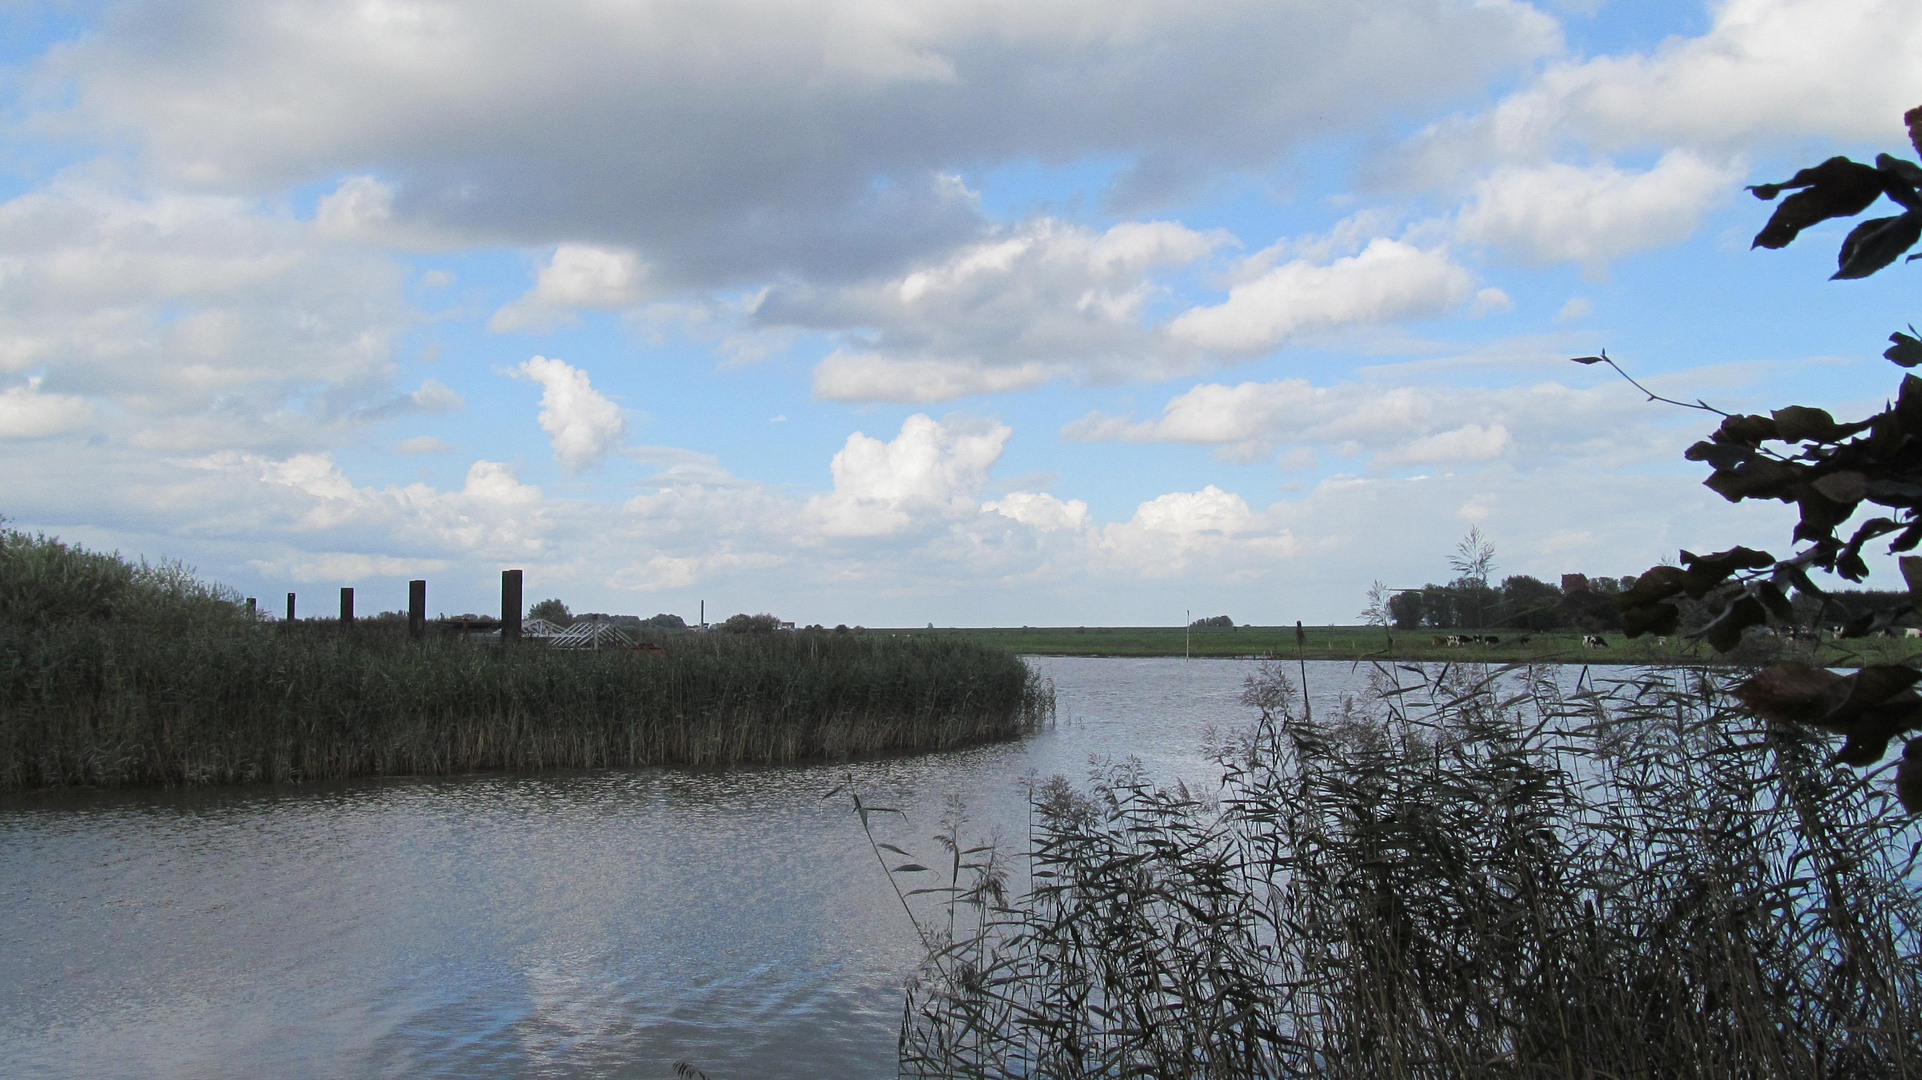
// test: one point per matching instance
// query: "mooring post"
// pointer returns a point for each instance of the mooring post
(417, 608)
(251, 609)
(290, 613)
(510, 605)
(346, 607)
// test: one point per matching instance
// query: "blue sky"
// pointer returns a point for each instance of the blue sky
(985, 313)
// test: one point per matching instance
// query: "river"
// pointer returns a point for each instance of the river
(601, 924)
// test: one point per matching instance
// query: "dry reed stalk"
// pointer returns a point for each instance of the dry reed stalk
(1468, 874)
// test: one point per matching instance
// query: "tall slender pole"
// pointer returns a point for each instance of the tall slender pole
(510, 605)
(290, 614)
(251, 607)
(346, 608)
(1301, 660)
(1187, 633)
(417, 608)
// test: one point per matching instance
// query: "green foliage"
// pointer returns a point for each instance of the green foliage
(664, 621)
(553, 611)
(46, 585)
(1447, 879)
(751, 624)
(1217, 622)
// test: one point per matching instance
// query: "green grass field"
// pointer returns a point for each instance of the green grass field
(1373, 643)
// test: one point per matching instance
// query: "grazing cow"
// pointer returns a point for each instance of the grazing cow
(1440, 640)
(1492, 640)
(1594, 641)
(1910, 631)
(1457, 640)
(1523, 640)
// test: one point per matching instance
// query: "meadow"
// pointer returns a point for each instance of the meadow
(117, 673)
(1373, 643)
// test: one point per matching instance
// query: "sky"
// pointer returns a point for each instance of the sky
(1007, 312)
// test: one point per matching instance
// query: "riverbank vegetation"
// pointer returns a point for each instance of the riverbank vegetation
(120, 673)
(1468, 873)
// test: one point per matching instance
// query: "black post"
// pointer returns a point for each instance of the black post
(346, 608)
(250, 607)
(290, 613)
(417, 608)
(510, 605)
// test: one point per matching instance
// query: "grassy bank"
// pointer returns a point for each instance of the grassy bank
(112, 673)
(1453, 877)
(1373, 643)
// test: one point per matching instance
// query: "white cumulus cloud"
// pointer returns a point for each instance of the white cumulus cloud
(583, 426)
(27, 413)
(930, 468)
(576, 276)
(1595, 214)
(1385, 281)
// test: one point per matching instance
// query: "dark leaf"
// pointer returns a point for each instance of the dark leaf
(1876, 243)
(1912, 574)
(1588, 359)
(1910, 537)
(910, 868)
(1893, 493)
(1908, 172)
(1908, 777)
(1849, 564)
(1746, 430)
(1757, 478)
(1725, 632)
(1870, 706)
(1659, 583)
(1847, 486)
(1790, 692)
(1775, 601)
(1705, 572)
(1660, 618)
(1800, 423)
(1720, 455)
(1913, 118)
(1836, 188)
(1906, 350)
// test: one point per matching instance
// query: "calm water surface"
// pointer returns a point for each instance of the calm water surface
(584, 925)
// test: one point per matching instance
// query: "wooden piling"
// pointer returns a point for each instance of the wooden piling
(289, 625)
(510, 605)
(417, 608)
(251, 608)
(346, 608)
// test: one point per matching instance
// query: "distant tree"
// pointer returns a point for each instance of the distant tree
(1473, 563)
(553, 611)
(1217, 622)
(1406, 609)
(1529, 603)
(751, 624)
(664, 621)
(1376, 612)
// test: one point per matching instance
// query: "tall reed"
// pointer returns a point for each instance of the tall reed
(1468, 874)
(143, 676)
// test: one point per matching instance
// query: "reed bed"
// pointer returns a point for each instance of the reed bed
(112, 674)
(1466, 874)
